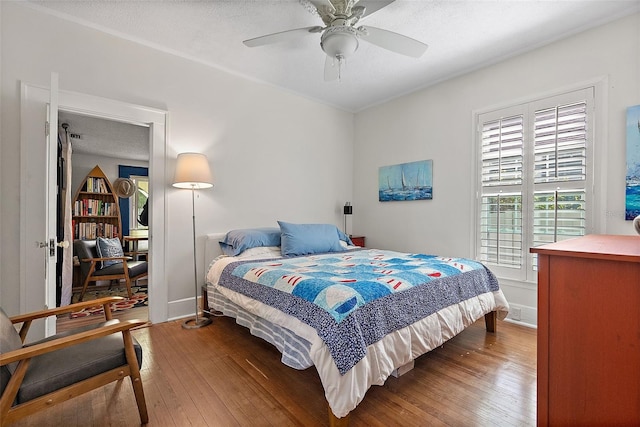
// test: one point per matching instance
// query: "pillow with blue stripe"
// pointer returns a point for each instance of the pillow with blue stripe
(108, 248)
(238, 241)
(344, 237)
(304, 239)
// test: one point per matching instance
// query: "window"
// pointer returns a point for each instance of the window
(534, 186)
(131, 208)
(138, 200)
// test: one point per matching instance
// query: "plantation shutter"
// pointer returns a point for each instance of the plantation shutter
(501, 201)
(502, 145)
(534, 182)
(560, 143)
(560, 158)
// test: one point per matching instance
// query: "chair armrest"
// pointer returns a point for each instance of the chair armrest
(67, 341)
(65, 309)
(94, 260)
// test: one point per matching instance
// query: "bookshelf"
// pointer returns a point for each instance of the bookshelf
(95, 208)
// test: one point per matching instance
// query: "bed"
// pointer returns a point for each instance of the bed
(357, 315)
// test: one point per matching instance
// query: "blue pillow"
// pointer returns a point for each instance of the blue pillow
(343, 236)
(304, 239)
(108, 248)
(238, 241)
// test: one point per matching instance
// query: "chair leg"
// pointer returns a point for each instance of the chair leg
(87, 279)
(84, 287)
(136, 380)
(127, 281)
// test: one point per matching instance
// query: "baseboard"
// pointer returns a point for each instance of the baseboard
(181, 308)
(523, 314)
(518, 322)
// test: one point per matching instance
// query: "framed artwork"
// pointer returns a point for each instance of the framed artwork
(632, 191)
(406, 181)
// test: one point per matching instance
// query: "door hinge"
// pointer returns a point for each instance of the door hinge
(46, 128)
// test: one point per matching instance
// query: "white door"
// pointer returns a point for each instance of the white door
(39, 145)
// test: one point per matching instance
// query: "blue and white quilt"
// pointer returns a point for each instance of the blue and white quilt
(353, 299)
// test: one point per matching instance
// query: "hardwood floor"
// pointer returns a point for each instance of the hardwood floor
(221, 375)
(64, 322)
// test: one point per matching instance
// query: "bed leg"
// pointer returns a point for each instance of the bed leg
(337, 422)
(491, 321)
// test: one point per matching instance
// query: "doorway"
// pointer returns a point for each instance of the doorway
(35, 165)
(117, 148)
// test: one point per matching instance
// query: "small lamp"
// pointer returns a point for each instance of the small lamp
(192, 172)
(348, 210)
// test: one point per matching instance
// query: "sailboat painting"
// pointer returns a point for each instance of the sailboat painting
(632, 193)
(406, 181)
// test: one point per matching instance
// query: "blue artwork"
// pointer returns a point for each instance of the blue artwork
(632, 198)
(406, 181)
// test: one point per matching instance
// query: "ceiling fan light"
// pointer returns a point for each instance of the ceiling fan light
(339, 41)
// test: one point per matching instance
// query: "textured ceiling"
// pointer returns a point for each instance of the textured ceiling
(462, 36)
(101, 137)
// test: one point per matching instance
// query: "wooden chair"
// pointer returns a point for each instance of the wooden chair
(53, 370)
(92, 270)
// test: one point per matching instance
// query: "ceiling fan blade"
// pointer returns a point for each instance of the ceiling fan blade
(372, 6)
(394, 42)
(331, 69)
(281, 36)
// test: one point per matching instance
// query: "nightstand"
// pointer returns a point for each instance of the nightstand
(358, 240)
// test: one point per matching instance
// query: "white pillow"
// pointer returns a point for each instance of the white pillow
(261, 252)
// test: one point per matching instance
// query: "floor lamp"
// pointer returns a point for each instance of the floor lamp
(192, 172)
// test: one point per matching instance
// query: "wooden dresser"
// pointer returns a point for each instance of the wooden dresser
(589, 331)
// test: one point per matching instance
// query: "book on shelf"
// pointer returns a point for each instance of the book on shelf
(96, 185)
(93, 230)
(93, 207)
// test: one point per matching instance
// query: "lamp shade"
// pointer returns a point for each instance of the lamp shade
(192, 171)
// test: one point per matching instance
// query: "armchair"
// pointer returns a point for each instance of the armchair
(50, 371)
(91, 266)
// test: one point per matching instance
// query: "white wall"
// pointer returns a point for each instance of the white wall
(278, 156)
(274, 155)
(436, 123)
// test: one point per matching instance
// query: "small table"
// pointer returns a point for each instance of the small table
(358, 240)
(134, 250)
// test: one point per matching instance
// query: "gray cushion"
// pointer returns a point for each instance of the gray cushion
(136, 268)
(9, 340)
(85, 249)
(61, 368)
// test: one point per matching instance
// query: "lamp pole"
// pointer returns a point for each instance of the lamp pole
(197, 322)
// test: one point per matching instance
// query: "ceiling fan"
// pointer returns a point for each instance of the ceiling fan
(340, 36)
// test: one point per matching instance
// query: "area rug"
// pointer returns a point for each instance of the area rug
(139, 299)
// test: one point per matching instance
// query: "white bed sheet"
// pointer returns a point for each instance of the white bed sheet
(345, 392)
